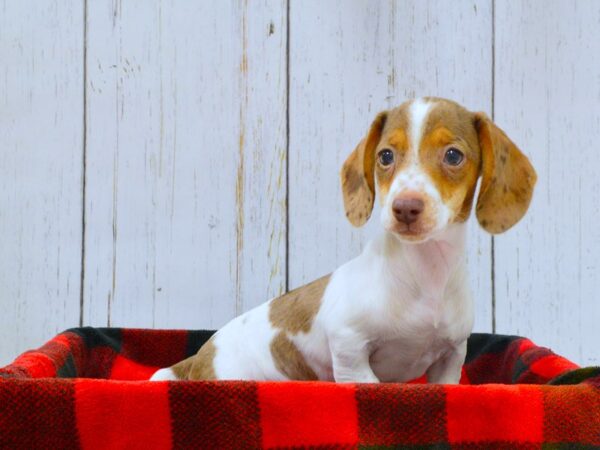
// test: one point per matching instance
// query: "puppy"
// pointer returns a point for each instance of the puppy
(402, 308)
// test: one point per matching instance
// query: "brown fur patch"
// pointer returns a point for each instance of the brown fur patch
(357, 175)
(507, 178)
(397, 138)
(394, 137)
(385, 176)
(198, 367)
(288, 359)
(397, 142)
(438, 138)
(294, 312)
(450, 125)
(352, 180)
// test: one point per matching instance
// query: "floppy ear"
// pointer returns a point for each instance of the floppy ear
(507, 178)
(358, 178)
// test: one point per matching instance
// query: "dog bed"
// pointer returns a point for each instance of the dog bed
(87, 388)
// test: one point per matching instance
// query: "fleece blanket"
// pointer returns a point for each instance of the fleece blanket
(87, 388)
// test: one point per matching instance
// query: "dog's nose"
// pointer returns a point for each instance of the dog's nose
(407, 210)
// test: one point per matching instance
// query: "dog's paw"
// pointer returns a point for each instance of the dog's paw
(163, 375)
(357, 378)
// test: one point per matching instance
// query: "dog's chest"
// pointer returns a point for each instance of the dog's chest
(424, 333)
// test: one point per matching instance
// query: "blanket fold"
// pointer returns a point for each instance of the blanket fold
(87, 388)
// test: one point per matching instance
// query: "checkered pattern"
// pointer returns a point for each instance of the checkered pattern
(86, 389)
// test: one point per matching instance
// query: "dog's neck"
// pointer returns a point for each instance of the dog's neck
(427, 265)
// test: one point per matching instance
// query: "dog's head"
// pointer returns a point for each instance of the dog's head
(424, 159)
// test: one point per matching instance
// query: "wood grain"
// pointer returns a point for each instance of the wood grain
(547, 100)
(41, 125)
(186, 161)
(372, 56)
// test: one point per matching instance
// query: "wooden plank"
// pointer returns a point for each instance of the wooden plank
(186, 161)
(547, 95)
(371, 56)
(41, 105)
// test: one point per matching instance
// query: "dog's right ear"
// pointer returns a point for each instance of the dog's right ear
(358, 177)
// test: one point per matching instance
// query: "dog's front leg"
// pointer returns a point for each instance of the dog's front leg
(447, 369)
(350, 358)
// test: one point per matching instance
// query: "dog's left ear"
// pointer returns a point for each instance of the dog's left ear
(507, 178)
(358, 177)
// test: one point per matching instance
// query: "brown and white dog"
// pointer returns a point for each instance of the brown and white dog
(402, 308)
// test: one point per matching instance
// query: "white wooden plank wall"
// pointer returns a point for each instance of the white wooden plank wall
(41, 148)
(172, 163)
(185, 188)
(547, 97)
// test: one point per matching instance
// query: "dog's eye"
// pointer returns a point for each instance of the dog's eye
(453, 157)
(386, 157)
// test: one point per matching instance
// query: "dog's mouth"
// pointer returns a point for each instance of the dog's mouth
(411, 232)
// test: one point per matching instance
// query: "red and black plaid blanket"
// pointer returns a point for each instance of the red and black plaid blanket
(86, 389)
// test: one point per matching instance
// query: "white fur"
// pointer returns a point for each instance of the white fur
(419, 110)
(164, 375)
(397, 309)
(242, 344)
(393, 313)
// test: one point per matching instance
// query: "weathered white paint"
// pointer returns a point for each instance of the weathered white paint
(186, 146)
(41, 142)
(547, 95)
(371, 56)
(185, 200)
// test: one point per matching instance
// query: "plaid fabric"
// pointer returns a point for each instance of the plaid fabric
(86, 389)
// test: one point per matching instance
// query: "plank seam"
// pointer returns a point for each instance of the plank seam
(287, 149)
(493, 113)
(83, 166)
